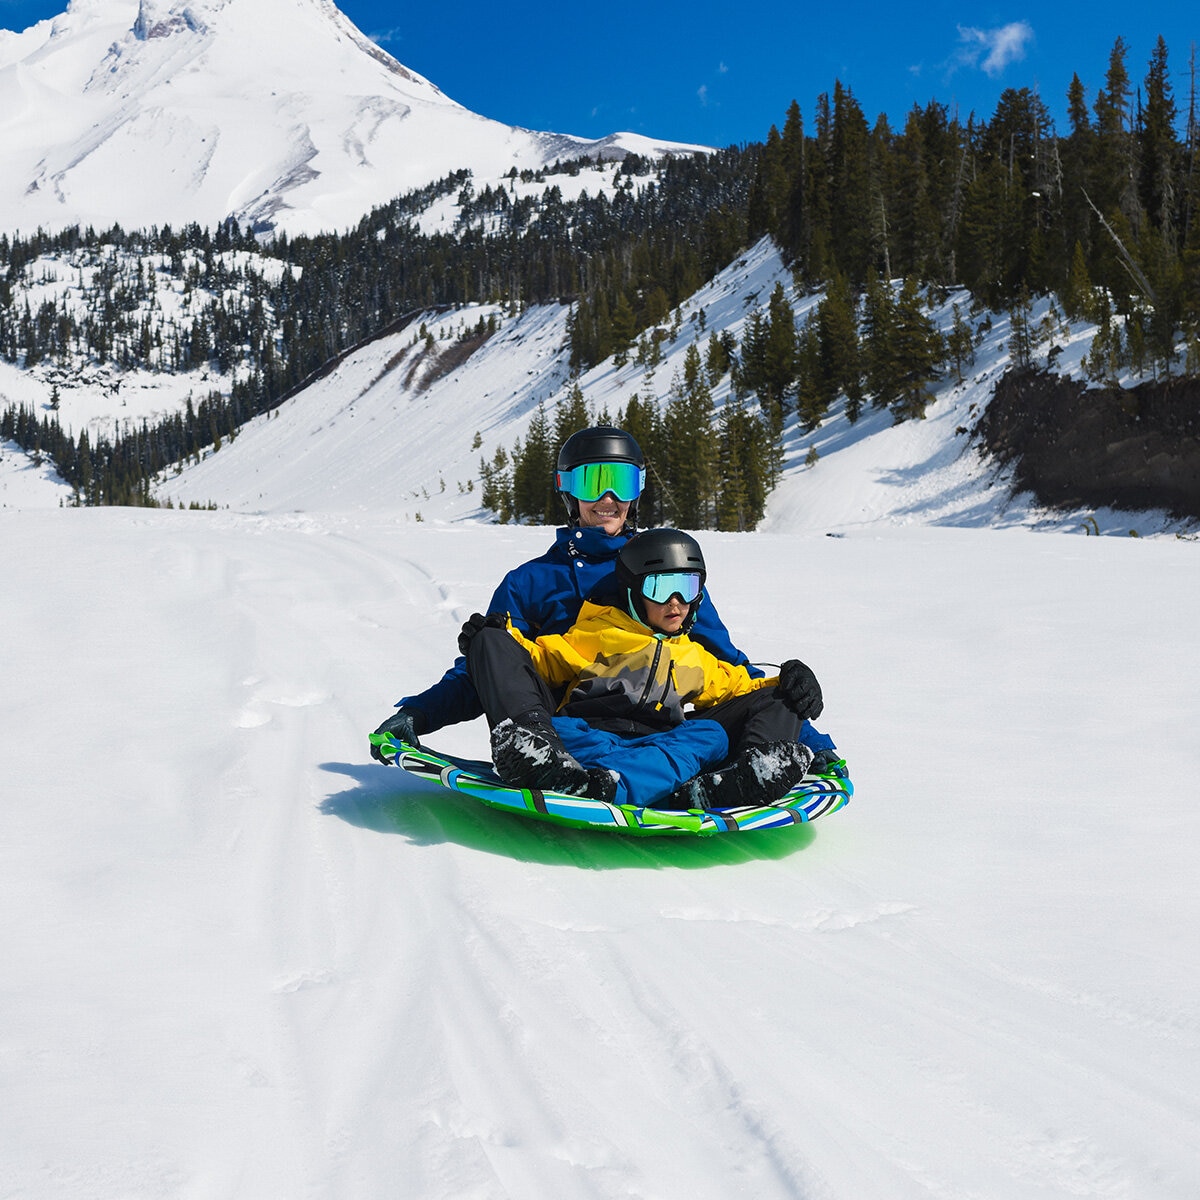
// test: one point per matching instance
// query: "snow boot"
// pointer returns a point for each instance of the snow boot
(527, 752)
(758, 776)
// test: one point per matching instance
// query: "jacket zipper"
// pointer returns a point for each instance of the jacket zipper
(650, 680)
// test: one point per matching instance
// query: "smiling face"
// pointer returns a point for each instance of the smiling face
(666, 618)
(607, 513)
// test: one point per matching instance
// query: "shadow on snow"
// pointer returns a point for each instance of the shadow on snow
(386, 800)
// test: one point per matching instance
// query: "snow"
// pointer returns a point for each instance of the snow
(242, 959)
(27, 481)
(373, 424)
(279, 113)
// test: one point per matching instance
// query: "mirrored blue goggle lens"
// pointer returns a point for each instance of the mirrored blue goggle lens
(661, 587)
(593, 480)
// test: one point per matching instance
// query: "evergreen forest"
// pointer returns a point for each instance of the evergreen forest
(882, 221)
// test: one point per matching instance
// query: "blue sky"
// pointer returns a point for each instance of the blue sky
(717, 73)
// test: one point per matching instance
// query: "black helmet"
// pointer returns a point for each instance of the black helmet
(599, 444)
(660, 552)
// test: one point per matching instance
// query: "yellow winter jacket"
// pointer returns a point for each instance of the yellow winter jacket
(614, 667)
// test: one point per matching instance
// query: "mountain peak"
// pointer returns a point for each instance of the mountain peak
(156, 20)
(277, 113)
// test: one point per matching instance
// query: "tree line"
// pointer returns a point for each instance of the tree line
(1107, 213)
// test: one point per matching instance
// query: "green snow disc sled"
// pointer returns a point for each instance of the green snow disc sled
(814, 796)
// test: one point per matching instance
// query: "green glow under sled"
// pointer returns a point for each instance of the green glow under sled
(814, 796)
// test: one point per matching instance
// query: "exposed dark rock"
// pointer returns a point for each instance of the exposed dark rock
(1131, 448)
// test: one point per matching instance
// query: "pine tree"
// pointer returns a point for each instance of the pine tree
(641, 419)
(692, 452)
(1106, 356)
(603, 329)
(769, 191)
(780, 350)
(960, 344)
(851, 186)
(1077, 297)
(1113, 187)
(1077, 152)
(913, 228)
(1158, 148)
(750, 459)
(733, 500)
(570, 416)
(1021, 342)
(916, 355)
(496, 485)
(532, 468)
(840, 369)
(979, 245)
(879, 325)
(718, 356)
(818, 197)
(793, 230)
(623, 328)
(1167, 313)
(811, 392)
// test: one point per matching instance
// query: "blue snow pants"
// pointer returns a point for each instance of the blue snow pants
(650, 767)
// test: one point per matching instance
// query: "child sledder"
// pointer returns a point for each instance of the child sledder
(624, 673)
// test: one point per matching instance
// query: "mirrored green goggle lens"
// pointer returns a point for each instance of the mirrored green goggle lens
(593, 480)
(661, 587)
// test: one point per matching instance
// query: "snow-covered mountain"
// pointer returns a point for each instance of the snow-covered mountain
(276, 112)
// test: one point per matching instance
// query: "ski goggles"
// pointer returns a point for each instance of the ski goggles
(592, 480)
(687, 585)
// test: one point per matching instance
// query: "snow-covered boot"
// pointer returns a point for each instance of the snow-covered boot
(527, 752)
(602, 785)
(760, 775)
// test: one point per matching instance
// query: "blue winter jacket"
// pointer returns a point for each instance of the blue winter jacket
(544, 596)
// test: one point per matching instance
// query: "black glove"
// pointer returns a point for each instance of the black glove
(799, 689)
(402, 725)
(475, 623)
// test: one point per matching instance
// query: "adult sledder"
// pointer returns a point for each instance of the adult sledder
(600, 474)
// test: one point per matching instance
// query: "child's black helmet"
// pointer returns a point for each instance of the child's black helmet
(670, 554)
(599, 444)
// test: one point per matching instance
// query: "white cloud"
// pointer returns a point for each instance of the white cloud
(702, 92)
(385, 36)
(992, 50)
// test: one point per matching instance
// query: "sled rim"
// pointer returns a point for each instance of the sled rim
(815, 796)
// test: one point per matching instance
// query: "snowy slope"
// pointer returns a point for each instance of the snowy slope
(366, 435)
(276, 112)
(241, 960)
(377, 432)
(29, 482)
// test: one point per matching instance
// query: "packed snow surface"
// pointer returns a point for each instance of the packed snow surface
(243, 960)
